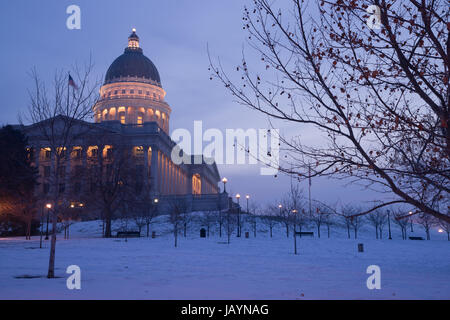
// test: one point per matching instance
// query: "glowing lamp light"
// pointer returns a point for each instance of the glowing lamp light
(156, 200)
(72, 206)
(280, 206)
(224, 180)
(247, 196)
(48, 205)
(440, 230)
(410, 212)
(81, 205)
(134, 29)
(238, 196)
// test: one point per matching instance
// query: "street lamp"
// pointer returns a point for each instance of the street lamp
(280, 207)
(238, 196)
(411, 222)
(247, 197)
(224, 180)
(295, 231)
(49, 206)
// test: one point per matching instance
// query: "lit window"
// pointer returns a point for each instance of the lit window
(139, 120)
(122, 119)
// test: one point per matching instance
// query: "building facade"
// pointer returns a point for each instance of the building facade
(130, 115)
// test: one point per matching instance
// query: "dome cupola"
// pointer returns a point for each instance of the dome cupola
(133, 65)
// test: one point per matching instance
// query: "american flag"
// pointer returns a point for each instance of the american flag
(72, 83)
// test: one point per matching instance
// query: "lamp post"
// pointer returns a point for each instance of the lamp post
(238, 196)
(156, 202)
(42, 226)
(280, 207)
(49, 206)
(247, 197)
(410, 220)
(295, 237)
(389, 224)
(224, 180)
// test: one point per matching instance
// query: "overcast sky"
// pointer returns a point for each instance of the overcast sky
(174, 35)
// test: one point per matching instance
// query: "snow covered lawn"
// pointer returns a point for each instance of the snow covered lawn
(254, 268)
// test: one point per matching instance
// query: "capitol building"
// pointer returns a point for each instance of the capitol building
(130, 113)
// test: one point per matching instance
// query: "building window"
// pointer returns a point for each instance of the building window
(93, 152)
(122, 119)
(131, 91)
(76, 153)
(140, 91)
(139, 120)
(116, 91)
(77, 188)
(138, 151)
(62, 187)
(123, 91)
(46, 188)
(196, 184)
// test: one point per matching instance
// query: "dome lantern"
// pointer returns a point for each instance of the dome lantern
(133, 40)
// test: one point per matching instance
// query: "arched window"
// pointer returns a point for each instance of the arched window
(196, 184)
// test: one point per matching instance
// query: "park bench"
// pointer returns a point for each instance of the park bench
(128, 234)
(309, 234)
(416, 238)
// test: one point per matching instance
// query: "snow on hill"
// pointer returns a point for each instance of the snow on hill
(208, 268)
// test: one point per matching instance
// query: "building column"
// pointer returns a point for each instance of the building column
(154, 170)
(146, 173)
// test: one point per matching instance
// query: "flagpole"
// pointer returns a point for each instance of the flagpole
(309, 173)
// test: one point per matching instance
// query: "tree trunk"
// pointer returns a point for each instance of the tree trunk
(108, 223)
(318, 231)
(348, 231)
(328, 229)
(271, 231)
(176, 236)
(51, 263)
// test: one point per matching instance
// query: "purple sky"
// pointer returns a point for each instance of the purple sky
(174, 35)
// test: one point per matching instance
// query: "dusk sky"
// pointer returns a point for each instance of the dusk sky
(174, 35)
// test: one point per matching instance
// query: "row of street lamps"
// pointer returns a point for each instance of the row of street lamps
(238, 197)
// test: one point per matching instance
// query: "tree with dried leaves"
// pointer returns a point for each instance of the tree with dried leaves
(378, 96)
(55, 112)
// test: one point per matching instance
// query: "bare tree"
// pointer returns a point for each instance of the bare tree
(402, 221)
(445, 226)
(56, 113)
(348, 212)
(177, 217)
(319, 217)
(379, 97)
(377, 219)
(231, 221)
(208, 219)
(110, 178)
(252, 217)
(426, 221)
(269, 217)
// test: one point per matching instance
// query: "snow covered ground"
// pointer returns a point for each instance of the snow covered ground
(254, 268)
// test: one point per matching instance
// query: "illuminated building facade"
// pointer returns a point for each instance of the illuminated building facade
(132, 114)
